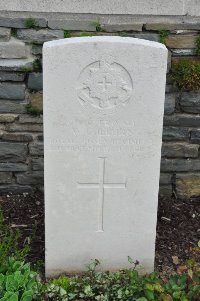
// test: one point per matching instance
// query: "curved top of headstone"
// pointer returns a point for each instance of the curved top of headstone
(103, 39)
(112, 7)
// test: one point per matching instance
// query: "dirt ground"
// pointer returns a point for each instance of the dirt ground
(178, 228)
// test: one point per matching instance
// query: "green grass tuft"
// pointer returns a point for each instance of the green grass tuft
(163, 34)
(186, 75)
(198, 45)
(31, 23)
(67, 34)
(32, 111)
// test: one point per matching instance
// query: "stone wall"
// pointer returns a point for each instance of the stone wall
(21, 137)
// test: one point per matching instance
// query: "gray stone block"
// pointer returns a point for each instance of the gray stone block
(38, 164)
(36, 49)
(11, 76)
(17, 137)
(24, 65)
(5, 177)
(190, 102)
(40, 188)
(169, 61)
(165, 179)
(13, 188)
(24, 127)
(171, 133)
(170, 88)
(188, 185)
(173, 25)
(183, 52)
(2, 130)
(7, 118)
(35, 81)
(40, 137)
(181, 41)
(169, 104)
(5, 34)
(184, 120)
(84, 25)
(12, 91)
(13, 152)
(148, 36)
(30, 178)
(9, 166)
(36, 149)
(7, 106)
(14, 49)
(195, 136)
(36, 101)
(30, 119)
(39, 36)
(109, 27)
(176, 165)
(180, 150)
(165, 190)
(15, 22)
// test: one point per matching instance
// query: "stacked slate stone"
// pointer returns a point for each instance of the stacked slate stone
(21, 130)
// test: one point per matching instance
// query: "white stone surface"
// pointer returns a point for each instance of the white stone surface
(103, 112)
(192, 7)
(135, 7)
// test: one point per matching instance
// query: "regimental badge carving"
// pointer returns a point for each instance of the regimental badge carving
(104, 85)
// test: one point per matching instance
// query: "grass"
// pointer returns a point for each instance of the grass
(98, 26)
(32, 111)
(186, 75)
(31, 23)
(163, 34)
(67, 34)
(198, 45)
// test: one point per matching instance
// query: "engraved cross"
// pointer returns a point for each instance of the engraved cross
(101, 186)
(105, 83)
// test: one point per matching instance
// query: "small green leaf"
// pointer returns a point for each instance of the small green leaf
(2, 278)
(27, 296)
(149, 294)
(184, 298)
(9, 296)
(177, 295)
(130, 260)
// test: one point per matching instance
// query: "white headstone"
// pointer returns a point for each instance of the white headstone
(103, 114)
